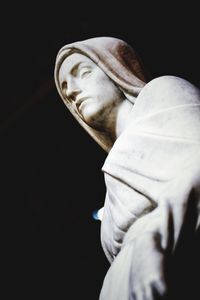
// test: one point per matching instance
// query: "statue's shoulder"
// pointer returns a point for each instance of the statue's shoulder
(170, 83)
(165, 92)
(168, 86)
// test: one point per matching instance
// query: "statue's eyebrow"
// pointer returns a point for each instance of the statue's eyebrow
(76, 66)
(72, 71)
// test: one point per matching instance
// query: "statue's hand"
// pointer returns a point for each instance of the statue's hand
(147, 274)
(137, 272)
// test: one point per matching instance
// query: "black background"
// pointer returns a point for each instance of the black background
(51, 168)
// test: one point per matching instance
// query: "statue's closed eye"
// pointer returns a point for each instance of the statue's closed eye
(85, 71)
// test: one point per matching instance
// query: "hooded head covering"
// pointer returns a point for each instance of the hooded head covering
(118, 61)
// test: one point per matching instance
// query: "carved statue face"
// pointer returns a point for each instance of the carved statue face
(89, 90)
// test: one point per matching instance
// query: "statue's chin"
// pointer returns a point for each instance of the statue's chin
(93, 118)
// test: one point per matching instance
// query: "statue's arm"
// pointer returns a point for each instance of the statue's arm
(165, 237)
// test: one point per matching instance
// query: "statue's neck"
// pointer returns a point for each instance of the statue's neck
(119, 119)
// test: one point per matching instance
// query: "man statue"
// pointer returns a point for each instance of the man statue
(151, 131)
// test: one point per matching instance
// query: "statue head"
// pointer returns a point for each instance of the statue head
(93, 77)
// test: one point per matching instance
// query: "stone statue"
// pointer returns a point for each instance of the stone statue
(151, 131)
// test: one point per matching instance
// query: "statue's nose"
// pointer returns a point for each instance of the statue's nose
(72, 90)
